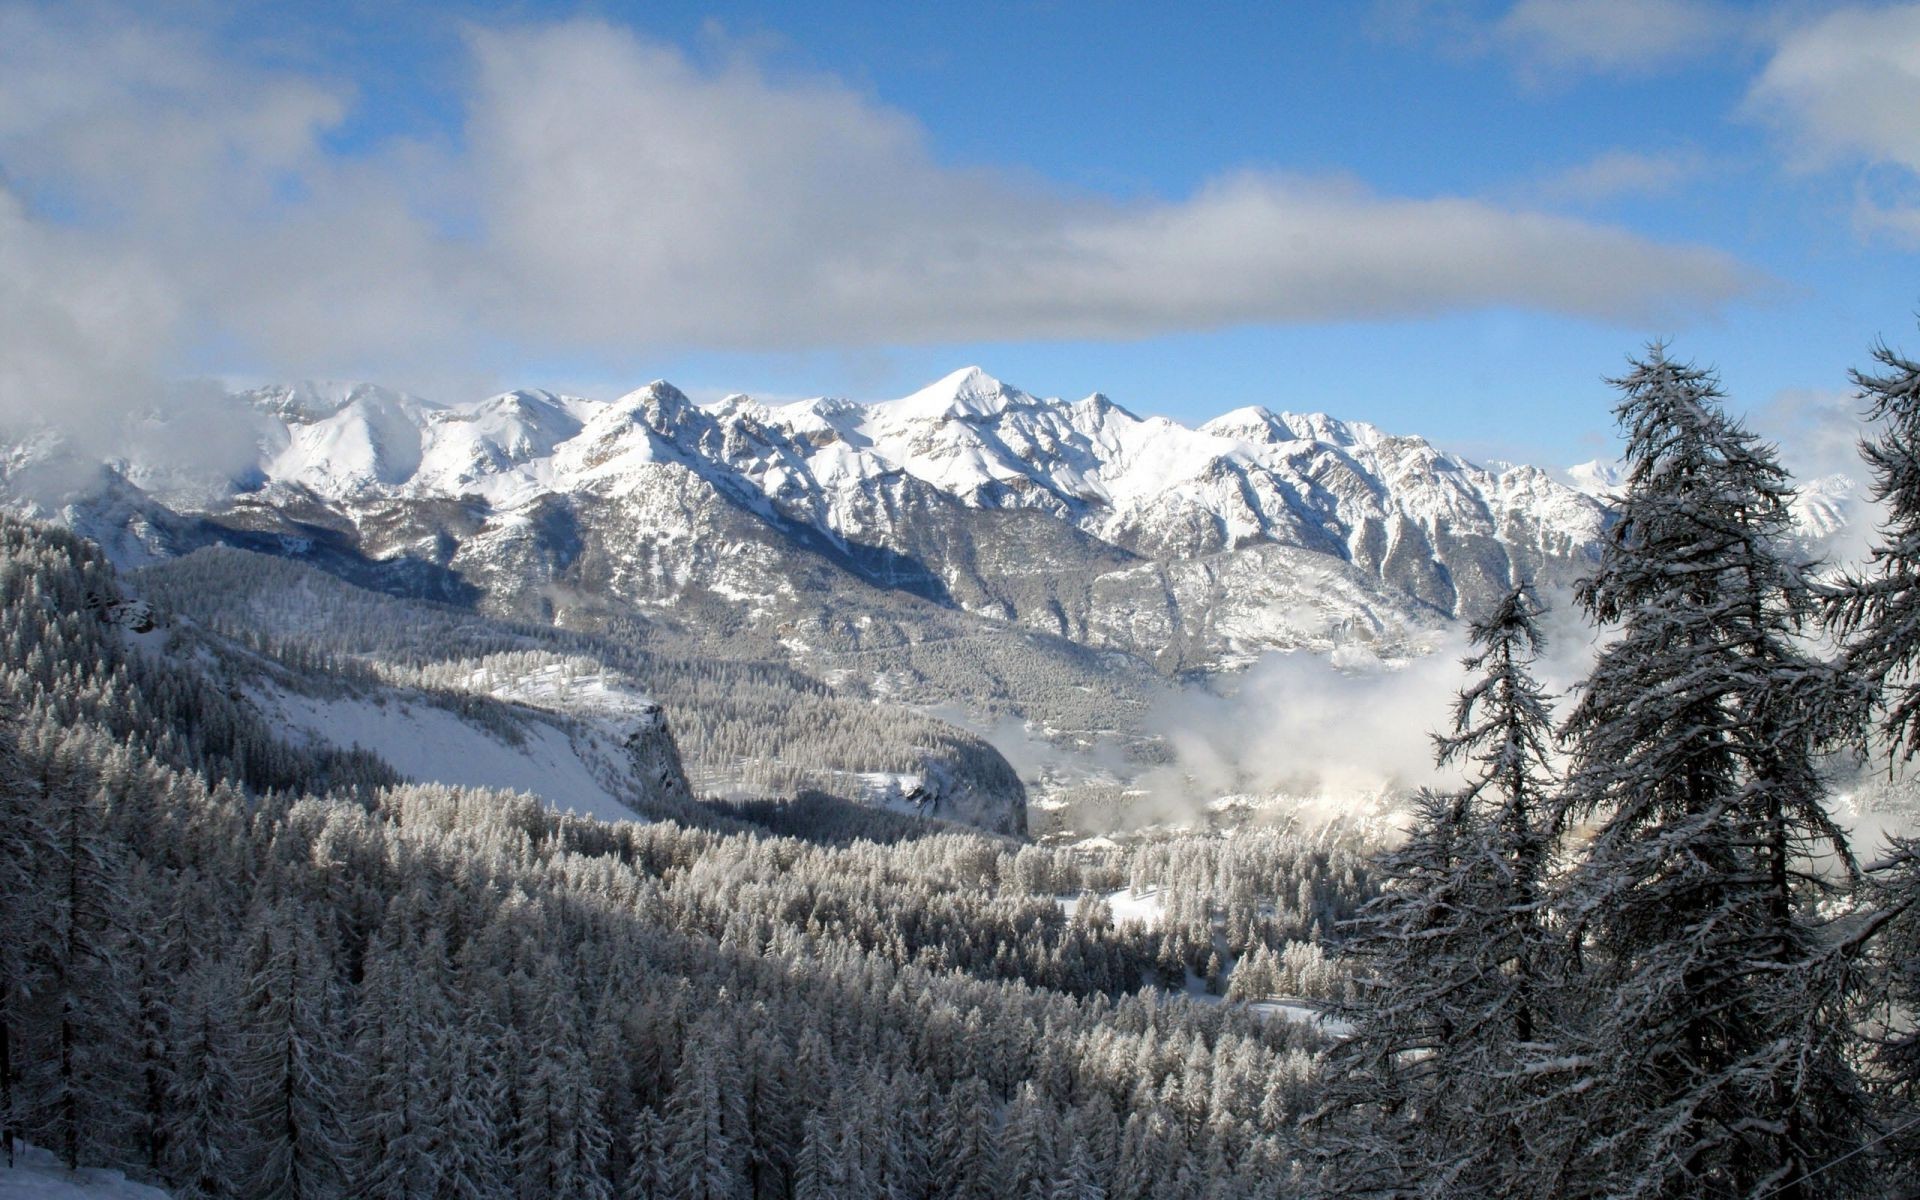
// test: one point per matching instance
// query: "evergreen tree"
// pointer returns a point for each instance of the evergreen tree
(291, 1062)
(30, 858)
(465, 1152)
(703, 1160)
(203, 1093)
(397, 1128)
(1710, 1055)
(818, 1172)
(1428, 1096)
(1895, 888)
(1877, 614)
(645, 1151)
(84, 1095)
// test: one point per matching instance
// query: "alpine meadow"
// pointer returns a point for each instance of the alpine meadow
(434, 768)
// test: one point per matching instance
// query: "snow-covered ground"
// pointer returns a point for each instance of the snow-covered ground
(1304, 1012)
(38, 1175)
(1146, 907)
(430, 744)
(576, 687)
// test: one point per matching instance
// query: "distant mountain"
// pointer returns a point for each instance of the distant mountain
(969, 548)
(1826, 508)
(1191, 548)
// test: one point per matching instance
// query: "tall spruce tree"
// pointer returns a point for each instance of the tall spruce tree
(30, 858)
(1710, 1052)
(1428, 1096)
(84, 1098)
(1876, 612)
(290, 1064)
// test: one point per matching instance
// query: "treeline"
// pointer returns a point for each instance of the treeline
(241, 989)
(1660, 970)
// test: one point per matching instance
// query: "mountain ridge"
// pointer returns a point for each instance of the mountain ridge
(940, 492)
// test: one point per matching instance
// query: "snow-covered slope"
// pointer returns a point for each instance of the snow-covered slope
(37, 1175)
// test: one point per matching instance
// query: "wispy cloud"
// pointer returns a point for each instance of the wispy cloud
(1630, 37)
(1620, 173)
(1552, 41)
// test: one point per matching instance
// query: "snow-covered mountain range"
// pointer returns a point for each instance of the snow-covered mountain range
(971, 552)
(1193, 548)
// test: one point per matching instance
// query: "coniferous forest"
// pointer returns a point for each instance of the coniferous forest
(1633, 954)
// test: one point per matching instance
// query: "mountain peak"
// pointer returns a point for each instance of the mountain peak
(968, 392)
(659, 391)
(317, 399)
(1596, 478)
(1252, 424)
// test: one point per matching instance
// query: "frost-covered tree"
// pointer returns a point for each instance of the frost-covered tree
(704, 1161)
(1429, 1094)
(1877, 611)
(203, 1092)
(291, 1063)
(88, 998)
(1711, 1050)
(29, 853)
(560, 1144)
(1877, 614)
(397, 1135)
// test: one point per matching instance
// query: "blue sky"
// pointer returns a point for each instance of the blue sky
(1450, 219)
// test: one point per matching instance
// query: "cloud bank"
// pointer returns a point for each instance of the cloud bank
(608, 195)
(1342, 730)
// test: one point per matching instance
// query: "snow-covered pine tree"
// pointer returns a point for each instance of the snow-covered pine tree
(1428, 1096)
(646, 1149)
(397, 1115)
(1711, 1052)
(290, 1065)
(1877, 614)
(1894, 886)
(818, 1170)
(203, 1094)
(560, 1144)
(83, 1099)
(466, 1152)
(28, 934)
(703, 1162)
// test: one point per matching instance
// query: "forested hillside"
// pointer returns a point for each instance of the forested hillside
(249, 970)
(741, 727)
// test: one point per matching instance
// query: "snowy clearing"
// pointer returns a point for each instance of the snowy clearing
(1146, 907)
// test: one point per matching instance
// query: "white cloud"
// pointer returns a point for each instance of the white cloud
(1845, 90)
(1847, 87)
(1555, 40)
(1341, 728)
(1613, 36)
(608, 194)
(724, 207)
(1618, 173)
